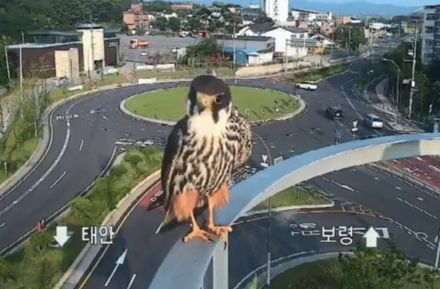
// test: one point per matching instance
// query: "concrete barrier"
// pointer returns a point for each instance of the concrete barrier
(147, 80)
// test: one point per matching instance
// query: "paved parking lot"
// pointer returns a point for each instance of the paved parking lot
(158, 43)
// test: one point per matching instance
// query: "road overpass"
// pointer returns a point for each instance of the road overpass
(186, 264)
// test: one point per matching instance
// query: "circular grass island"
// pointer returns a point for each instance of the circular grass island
(254, 103)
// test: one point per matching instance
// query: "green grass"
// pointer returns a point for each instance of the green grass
(169, 104)
(183, 73)
(318, 74)
(36, 265)
(295, 196)
(326, 274)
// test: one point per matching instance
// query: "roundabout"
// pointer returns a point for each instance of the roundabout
(257, 104)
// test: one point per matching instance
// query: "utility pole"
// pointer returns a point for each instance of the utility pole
(269, 229)
(92, 47)
(21, 72)
(413, 84)
(285, 56)
(7, 59)
(233, 51)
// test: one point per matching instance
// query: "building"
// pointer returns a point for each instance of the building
(182, 6)
(48, 54)
(431, 34)
(310, 15)
(135, 18)
(249, 56)
(343, 20)
(283, 37)
(258, 43)
(278, 10)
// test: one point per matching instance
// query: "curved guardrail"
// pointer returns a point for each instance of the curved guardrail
(185, 265)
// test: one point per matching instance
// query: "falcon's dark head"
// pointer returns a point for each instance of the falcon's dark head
(209, 93)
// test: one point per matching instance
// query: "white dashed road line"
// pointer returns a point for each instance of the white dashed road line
(58, 180)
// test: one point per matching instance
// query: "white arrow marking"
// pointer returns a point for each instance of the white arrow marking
(343, 186)
(371, 236)
(120, 261)
(264, 157)
(61, 237)
(131, 281)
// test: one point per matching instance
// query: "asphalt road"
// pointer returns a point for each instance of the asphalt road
(82, 148)
(385, 200)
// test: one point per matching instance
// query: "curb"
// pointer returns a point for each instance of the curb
(42, 147)
(260, 273)
(406, 178)
(298, 112)
(288, 208)
(79, 267)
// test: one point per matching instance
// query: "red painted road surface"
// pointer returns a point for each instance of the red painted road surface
(424, 169)
(151, 195)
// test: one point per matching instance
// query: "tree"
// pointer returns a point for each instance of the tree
(377, 269)
(86, 212)
(351, 37)
(174, 24)
(161, 23)
(193, 24)
(6, 272)
(39, 242)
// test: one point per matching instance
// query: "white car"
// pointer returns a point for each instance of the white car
(307, 85)
(373, 121)
(143, 53)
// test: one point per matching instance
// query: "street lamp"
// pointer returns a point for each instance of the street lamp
(397, 81)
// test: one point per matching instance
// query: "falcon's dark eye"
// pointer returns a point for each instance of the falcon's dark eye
(218, 99)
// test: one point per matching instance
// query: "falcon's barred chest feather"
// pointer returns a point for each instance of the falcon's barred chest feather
(209, 151)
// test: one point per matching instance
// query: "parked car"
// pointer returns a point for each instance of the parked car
(373, 121)
(334, 112)
(307, 85)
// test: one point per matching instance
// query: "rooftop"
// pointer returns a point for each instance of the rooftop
(247, 38)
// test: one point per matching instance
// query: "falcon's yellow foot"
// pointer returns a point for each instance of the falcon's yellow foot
(219, 231)
(198, 233)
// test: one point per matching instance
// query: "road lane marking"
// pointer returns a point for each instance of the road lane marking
(104, 117)
(343, 186)
(2, 225)
(416, 208)
(58, 180)
(41, 179)
(131, 281)
(81, 145)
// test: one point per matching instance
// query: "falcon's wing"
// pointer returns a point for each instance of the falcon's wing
(245, 140)
(172, 150)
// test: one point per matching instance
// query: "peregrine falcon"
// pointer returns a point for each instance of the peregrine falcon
(202, 150)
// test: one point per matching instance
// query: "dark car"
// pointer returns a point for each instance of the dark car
(334, 112)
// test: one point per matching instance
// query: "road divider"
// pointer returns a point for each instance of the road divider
(115, 218)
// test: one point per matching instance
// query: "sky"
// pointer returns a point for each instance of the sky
(399, 3)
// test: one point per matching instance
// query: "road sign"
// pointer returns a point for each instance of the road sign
(264, 165)
(371, 238)
(277, 160)
(61, 236)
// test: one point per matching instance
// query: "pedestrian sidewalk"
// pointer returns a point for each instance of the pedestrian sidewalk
(393, 117)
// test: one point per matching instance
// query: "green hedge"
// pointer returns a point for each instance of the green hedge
(37, 265)
(318, 74)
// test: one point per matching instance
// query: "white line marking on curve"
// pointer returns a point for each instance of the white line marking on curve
(58, 180)
(131, 281)
(417, 208)
(81, 145)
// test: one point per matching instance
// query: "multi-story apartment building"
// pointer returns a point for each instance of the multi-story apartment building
(431, 34)
(278, 10)
(135, 18)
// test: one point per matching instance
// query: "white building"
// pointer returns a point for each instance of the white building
(93, 46)
(430, 35)
(310, 15)
(282, 36)
(278, 10)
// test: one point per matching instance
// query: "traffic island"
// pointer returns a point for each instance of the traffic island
(166, 106)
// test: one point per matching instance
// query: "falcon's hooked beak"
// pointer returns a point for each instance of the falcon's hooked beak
(206, 101)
